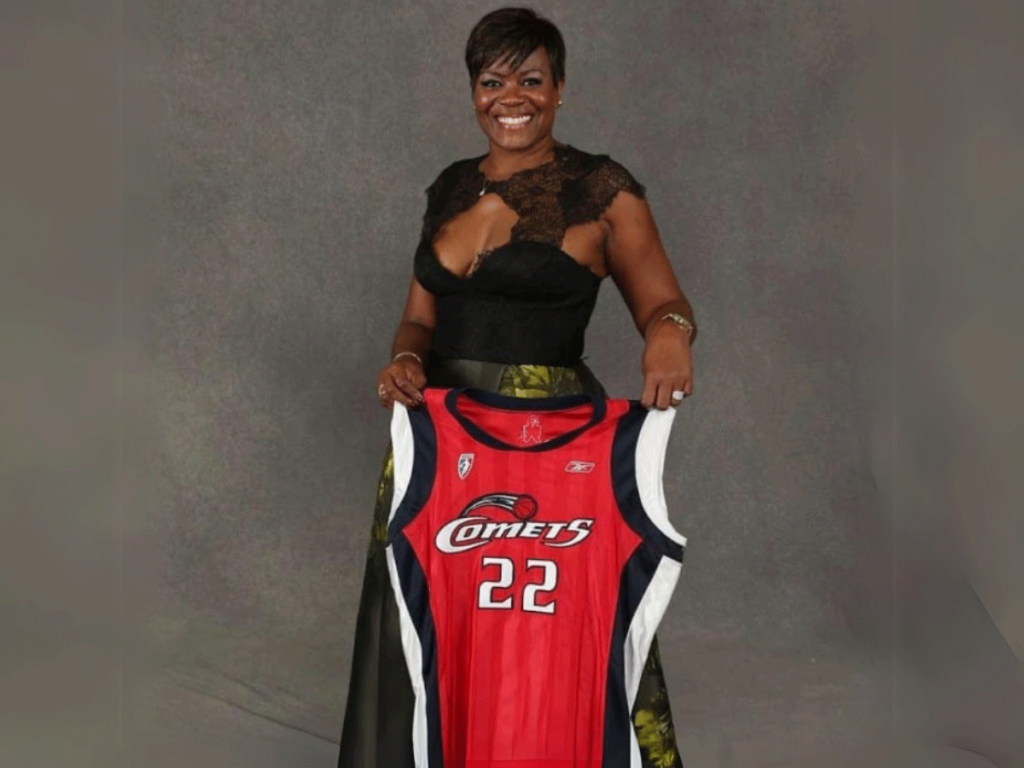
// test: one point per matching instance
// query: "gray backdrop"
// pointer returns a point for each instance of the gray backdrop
(276, 156)
(283, 194)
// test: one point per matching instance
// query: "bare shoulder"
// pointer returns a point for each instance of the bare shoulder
(627, 209)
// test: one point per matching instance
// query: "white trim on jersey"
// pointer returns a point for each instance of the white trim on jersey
(414, 662)
(403, 451)
(649, 456)
(635, 759)
(645, 621)
(641, 634)
(651, 444)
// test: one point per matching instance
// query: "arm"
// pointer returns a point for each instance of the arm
(637, 263)
(417, 324)
(402, 379)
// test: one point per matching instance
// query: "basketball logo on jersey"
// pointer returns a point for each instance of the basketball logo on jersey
(531, 430)
(465, 464)
(469, 531)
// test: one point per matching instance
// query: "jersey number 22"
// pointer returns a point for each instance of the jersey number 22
(506, 577)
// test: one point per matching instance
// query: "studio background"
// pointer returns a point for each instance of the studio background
(279, 188)
(208, 212)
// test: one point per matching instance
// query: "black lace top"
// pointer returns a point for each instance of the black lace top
(527, 301)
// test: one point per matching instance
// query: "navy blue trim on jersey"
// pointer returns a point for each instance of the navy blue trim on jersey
(636, 577)
(424, 470)
(539, 404)
(412, 579)
(627, 494)
(417, 600)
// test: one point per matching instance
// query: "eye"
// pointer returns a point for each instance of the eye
(532, 81)
(490, 83)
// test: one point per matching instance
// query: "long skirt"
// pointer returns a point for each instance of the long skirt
(377, 731)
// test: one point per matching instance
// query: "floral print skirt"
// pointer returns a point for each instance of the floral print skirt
(377, 731)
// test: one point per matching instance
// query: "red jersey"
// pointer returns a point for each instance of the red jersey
(532, 559)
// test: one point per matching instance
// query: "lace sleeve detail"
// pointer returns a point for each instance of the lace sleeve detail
(449, 194)
(575, 188)
(610, 178)
(599, 187)
(436, 195)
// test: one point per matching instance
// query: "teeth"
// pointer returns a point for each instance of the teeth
(514, 120)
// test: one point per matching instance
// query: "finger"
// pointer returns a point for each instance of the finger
(687, 383)
(395, 388)
(655, 387)
(418, 378)
(407, 388)
(649, 392)
(409, 377)
(679, 392)
(664, 396)
(396, 394)
(389, 393)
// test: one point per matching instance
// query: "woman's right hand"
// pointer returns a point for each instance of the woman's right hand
(401, 381)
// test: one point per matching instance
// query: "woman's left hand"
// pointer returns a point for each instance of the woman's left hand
(637, 262)
(666, 366)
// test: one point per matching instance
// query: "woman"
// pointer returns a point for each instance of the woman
(514, 247)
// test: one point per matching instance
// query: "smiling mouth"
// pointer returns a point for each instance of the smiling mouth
(514, 122)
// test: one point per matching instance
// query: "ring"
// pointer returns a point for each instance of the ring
(381, 391)
(678, 395)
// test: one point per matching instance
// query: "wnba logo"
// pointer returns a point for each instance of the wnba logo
(465, 464)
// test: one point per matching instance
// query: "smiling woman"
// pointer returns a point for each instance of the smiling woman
(515, 102)
(514, 247)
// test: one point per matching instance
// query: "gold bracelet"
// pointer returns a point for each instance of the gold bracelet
(407, 354)
(679, 320)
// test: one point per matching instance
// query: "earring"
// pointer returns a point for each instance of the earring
(559, 102)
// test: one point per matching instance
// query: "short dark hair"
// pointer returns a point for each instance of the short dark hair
(512, 34)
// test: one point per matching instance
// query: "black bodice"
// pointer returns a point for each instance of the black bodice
(527, 301)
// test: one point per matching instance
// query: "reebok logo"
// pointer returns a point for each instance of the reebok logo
(579, 467)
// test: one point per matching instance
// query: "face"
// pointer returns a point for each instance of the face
(516, 109)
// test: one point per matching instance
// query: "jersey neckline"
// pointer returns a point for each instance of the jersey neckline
(540, 405)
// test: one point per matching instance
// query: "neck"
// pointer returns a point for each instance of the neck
(501, 163)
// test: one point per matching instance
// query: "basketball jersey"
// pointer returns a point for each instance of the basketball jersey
(532, 559)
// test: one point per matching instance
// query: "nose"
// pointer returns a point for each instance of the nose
(511, 96)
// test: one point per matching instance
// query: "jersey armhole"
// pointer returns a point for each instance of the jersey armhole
(651, 447)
